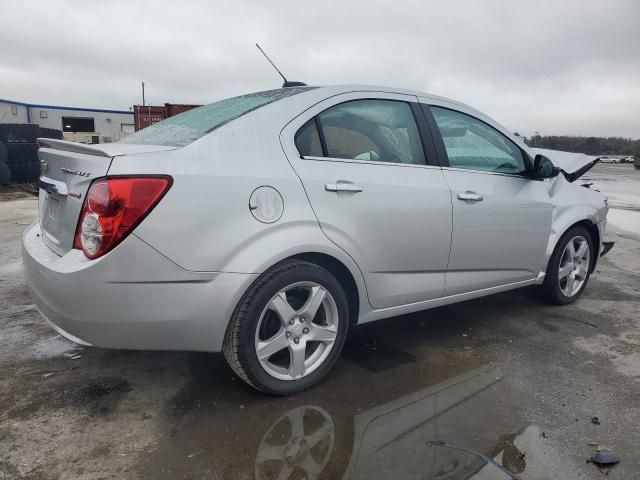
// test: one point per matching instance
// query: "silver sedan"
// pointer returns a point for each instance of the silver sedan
(265, 225)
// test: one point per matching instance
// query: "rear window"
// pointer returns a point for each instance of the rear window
(187, 127)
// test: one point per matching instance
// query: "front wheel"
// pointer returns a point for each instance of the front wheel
(569, 267)
(289, 328)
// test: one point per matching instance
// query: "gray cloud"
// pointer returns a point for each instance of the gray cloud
(566, 67)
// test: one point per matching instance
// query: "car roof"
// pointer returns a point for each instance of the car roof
(337, 89)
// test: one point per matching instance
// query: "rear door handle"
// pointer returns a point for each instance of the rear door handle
(343, 187)
(469, 196)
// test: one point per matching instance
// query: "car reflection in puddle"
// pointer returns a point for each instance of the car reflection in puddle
(299, 443)
(462, 428)
(396, 439)
(401, 438)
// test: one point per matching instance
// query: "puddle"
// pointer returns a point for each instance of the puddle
(375, 356)
(295, 438)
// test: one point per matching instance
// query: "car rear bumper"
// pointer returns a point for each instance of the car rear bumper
(132, 298)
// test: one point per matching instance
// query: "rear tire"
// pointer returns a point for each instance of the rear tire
(569, 268)
(289, 328)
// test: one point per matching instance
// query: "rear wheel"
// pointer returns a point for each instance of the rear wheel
(289, 328)
(569, 267)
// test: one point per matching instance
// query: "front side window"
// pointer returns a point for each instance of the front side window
(374, 130)
(473, 145)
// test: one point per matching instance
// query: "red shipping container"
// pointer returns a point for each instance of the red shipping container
(149, 114)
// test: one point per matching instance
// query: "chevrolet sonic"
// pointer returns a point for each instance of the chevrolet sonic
(265, 225)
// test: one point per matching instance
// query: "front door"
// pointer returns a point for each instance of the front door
(362, 162)
(501, 217)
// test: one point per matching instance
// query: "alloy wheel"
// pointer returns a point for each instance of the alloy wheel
(296, 331)
(574, 266)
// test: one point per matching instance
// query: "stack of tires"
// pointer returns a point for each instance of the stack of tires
(50, 133)
(19, 151)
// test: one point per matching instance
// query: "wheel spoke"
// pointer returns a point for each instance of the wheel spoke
(286, 471)
(298, 355)
(270, 452)
(581, 272)
(566, 270)
(310, 466)
(296, 418)
(319, 333)
(582, 249)
(280, 305)
(297, 327)
(273, 345)
(572, 249)
(570, 281)
(320, 434)
(312, 305)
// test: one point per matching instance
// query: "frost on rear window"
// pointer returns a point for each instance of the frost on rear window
(187, 127)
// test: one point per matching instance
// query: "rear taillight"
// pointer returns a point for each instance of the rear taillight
(113, 207)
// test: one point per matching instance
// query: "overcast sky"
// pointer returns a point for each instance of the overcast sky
(557, 67)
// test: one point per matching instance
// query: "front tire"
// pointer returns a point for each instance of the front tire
(289, 328)
(569, 268)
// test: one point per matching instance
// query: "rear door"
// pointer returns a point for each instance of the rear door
(376, 191)
(501, 217)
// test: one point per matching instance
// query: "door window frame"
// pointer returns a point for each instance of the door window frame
(441, 150)
(426, 139)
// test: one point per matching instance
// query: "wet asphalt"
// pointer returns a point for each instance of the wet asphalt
(470, 391)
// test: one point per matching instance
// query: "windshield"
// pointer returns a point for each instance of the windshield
(187, 127)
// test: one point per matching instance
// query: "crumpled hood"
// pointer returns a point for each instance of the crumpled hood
(573, 165)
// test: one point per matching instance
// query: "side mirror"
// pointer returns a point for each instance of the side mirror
(544, 168)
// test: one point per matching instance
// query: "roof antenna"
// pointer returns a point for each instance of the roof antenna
(286, 83)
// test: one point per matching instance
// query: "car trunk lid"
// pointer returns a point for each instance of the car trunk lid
(67, 170)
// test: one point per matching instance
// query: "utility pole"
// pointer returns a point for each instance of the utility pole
(143, 94)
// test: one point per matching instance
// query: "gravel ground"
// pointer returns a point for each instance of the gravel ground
(538, 388)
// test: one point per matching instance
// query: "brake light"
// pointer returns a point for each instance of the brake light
(113, 207)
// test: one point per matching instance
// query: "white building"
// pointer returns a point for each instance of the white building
(88, 125)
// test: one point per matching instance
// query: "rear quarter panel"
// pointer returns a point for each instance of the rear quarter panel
(204, 222)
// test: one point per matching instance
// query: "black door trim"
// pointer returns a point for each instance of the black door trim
(426, 138)
(441, 151)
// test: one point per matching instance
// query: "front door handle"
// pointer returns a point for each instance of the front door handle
(469, 196)
(343, 187)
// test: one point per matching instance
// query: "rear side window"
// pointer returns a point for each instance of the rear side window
(187, 127)
(374, 130)
(308, 140)
(473, 145)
